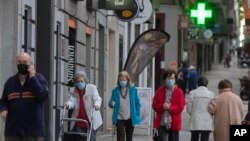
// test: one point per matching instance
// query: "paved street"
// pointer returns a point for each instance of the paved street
(218, 73)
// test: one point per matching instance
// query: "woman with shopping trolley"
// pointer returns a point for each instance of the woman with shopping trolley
(85, 101)
(126, 105)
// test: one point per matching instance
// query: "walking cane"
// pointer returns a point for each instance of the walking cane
(113, 134)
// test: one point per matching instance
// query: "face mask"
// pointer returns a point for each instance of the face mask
(123, 83)
(22, 69)
(170, 83)
(80, 85)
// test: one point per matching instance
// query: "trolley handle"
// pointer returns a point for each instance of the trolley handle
(74, 119)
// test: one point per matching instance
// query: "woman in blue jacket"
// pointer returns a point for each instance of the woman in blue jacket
(126, 104)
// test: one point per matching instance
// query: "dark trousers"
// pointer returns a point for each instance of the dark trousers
(84, 130)
(24, 139)
(203, 135)
(124, 126)
(168, 135)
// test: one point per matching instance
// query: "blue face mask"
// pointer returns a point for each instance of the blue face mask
(170, 83)
(123, 83)
(80, 85)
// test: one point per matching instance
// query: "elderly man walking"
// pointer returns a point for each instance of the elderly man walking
(21, 105)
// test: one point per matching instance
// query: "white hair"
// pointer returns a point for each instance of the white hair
(81, 74)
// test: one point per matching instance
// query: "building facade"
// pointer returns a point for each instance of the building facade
(63, 37)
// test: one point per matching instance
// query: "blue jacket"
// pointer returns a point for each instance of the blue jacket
(25, 106)
(192, 81)
(134, 104)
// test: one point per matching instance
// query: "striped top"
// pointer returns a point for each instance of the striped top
(24, 104)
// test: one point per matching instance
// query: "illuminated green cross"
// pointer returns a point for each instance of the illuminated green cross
(201, 13)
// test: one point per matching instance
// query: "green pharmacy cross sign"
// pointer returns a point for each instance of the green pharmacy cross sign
(201, 13)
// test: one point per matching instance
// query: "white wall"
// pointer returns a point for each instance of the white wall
(171, 27)
(1, 83)
(8, 44)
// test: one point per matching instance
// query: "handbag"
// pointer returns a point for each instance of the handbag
(156, 136)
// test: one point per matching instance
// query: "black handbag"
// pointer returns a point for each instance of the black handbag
(156, 136)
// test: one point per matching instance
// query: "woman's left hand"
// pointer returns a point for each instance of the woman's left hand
(96, 107)
(166, 106)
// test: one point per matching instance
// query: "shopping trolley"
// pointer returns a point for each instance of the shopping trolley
(65, 135)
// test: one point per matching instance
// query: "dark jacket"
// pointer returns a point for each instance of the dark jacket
(25, 106)
(192, 80)
(185, 76)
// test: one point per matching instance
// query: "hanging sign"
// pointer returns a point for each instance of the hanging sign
(71, 62)
(208, 34)
(145, 11)
(183, 21)
(127, 15)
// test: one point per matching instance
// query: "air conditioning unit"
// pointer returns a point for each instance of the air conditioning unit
(92, 5)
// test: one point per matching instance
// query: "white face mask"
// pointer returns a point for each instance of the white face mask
(170, 83)
(80, 85)
(123, 83)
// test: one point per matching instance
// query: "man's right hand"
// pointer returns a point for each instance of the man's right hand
(4, 114)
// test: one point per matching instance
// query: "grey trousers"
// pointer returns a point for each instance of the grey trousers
(24, 139)
(168, 135)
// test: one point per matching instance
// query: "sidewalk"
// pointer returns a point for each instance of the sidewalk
(218, 73)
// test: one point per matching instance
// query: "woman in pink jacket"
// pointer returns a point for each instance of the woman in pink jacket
(227, 109)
